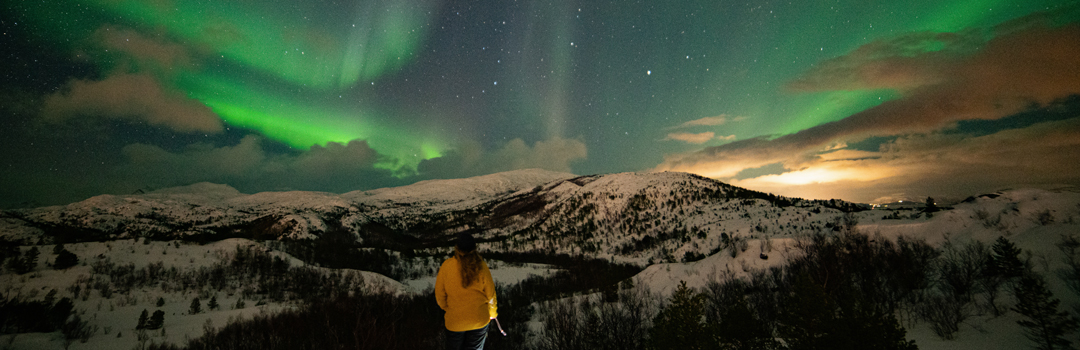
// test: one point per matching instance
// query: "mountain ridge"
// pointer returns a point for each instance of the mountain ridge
(623, 216)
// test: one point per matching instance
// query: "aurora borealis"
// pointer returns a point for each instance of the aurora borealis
(867, 101)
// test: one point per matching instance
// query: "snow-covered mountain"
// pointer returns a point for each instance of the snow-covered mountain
(632, 217)
(674, 227)
(214, 209)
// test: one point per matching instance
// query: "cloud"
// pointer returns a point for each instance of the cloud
(251, 165)
(1011, 73)
(133, 97)
(707, 121)
(939, 165)
(469, 159)
(335, 168)
(691, 138)
(702, 137)
(901, 63)
(554, 154)
(198, 162)
(1028, 66)
(142, 51)
(698, 138)
(248, 166)
(137, 85)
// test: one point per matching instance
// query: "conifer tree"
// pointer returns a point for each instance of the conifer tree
(157, 320)
(196, 306)
(931, 205)
(142, 319)
(50, 298)
(680, 325)
(213, 304)
(1044, 324)
(1003, 266)
(15, 263)
(1005, 258)
(814, 320)
(65, 259)
(31, 259)
(740, 329)
(60, 311)
(26, 263)
(160, 301)
(807, 314)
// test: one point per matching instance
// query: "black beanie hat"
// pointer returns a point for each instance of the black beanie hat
(466, 243)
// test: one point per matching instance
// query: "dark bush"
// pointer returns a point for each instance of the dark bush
(380, 321)
(65, 259)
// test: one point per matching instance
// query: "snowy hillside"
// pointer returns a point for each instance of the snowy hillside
(116, 280)
(638, 218)
(1036, 220)
(211, 209)
(541, 231)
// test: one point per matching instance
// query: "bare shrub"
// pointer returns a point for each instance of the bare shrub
(1044, 217)
(959, 268)
(944, 313)
(594, 324)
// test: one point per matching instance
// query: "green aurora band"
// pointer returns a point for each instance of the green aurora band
(308, 57)
(303, 52)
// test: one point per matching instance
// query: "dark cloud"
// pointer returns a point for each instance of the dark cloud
(137, 85)
(132, 97)
(469, 158)
(901, 63)
(249, 166)
(333, 168)
(554, 154)
(153, 166)
(253, 164)
(142, 51)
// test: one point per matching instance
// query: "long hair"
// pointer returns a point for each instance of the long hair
(470, 263)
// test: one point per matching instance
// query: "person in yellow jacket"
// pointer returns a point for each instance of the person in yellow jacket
(464, 289)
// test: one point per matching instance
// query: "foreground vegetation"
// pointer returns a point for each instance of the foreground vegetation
(843, 290)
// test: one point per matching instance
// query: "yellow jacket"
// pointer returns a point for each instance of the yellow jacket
(467, 308)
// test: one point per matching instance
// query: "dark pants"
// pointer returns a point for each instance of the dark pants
(467, 340)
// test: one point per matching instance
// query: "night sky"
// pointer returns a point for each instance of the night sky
(868, 101)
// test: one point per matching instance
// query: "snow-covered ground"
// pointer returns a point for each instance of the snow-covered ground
(600, 217)
(1035, 220)
(115, 317)
(501, 272)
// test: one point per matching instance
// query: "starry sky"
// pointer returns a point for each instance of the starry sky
(868, 101)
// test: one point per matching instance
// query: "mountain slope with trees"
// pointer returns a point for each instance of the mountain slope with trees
(614, 258)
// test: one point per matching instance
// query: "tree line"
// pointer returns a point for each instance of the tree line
(846, 290)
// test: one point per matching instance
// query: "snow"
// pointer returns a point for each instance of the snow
(1019, 213)
(119, 313)
(977, 333)
(616, 211)
(664, 278)
(461, 190)
(205, 208)
(501, 272)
